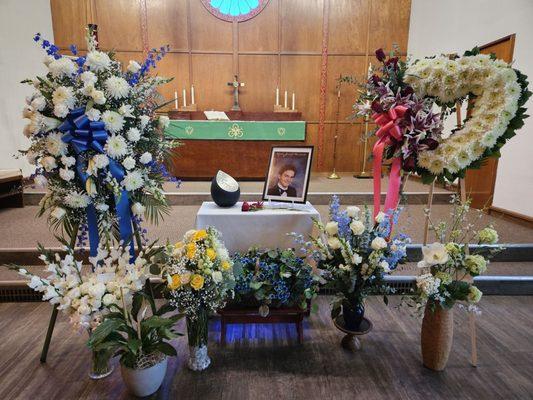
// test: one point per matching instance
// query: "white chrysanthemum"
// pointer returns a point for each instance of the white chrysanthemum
(489, 140)
(66, 174)
(133, 67)
(117, 87)
(97, 61)
(38, 103)
(116, 146)
(93, 114)
(463, 158)
(77, 200)
(146, 158)
(54, 145)
(64, 96)
(88, 78)
(133, 134)
(129, 163)
(113, 121)
(126, 110)
(133, 181)
(436, 166)
(62, 67)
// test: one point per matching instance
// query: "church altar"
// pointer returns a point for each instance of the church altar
(218, 146)
(236, 130)
(266, 228)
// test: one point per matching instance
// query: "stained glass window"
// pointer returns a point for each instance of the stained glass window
(235, 10)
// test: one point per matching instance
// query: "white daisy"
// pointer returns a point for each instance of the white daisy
(116, 146)
(97, 61)
(54, 145)
(113, 121)
(117, 87)
(133, 181)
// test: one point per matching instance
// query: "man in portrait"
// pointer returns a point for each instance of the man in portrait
(283, 187)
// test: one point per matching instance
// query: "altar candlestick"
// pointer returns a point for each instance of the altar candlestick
(192, 94)
(285, 99)
(277, 96)
(176, 100)
(184, 98)
(293, 100)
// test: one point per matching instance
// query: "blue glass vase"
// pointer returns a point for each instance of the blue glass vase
(353, 316)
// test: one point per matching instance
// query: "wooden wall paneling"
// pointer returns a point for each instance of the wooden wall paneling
(177, 66)
(301, 25)
(260, 34)
(211, 74)
(69, 21)
(167, 24)
(208, 32)
(301, 74)
(348, 26)
(389, 24)
(259, 73)
(119, 25)
(349, 148)
(311, 139)
(345, 65)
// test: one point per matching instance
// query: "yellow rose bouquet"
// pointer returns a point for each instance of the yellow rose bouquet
(200, 279)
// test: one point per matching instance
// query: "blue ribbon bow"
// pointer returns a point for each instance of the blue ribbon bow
(84, 135)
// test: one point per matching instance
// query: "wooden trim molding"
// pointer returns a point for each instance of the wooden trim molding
(323, 85)
(512, 216)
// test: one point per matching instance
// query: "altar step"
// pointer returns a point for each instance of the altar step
(316, 198)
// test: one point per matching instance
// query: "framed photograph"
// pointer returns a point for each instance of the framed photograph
(288, 174)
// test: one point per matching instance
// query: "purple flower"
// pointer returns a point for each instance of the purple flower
(380, 55)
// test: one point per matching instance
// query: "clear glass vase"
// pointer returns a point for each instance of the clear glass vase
(100, 367)
(197, 332)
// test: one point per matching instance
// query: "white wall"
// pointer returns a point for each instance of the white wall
(20, 58)
(456, 25)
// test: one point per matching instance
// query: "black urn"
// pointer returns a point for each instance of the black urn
(225, 190)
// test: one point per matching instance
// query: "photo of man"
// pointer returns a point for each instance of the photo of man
(288, 174)
(283, 186)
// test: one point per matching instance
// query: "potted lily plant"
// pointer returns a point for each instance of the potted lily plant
(139, 335)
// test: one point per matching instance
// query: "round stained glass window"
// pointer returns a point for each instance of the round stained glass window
(235, 10)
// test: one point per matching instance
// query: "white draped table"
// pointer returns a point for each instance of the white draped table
(265, 228)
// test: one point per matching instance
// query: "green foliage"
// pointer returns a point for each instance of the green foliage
(134, 334)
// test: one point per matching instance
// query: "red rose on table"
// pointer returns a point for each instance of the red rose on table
(245, 206)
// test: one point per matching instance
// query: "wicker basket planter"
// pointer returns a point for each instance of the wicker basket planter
(436, 337)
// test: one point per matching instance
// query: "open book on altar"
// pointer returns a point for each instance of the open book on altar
(216, 115)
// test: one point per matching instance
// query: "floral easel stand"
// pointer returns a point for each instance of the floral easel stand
(351, 341)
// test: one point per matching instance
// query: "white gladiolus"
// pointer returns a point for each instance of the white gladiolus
(332, 228)
(378, 243)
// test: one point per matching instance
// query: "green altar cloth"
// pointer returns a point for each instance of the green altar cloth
(236, 130)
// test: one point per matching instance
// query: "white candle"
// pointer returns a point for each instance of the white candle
(176, 100)
(184, 98)
(293, 100)
(285, 99)
(277, 96)
(192, 94)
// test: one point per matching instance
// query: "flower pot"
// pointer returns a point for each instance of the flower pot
(144, 382)
(197, 332)
(353, 316)
(436, 337)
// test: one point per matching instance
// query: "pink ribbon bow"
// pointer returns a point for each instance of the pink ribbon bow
(387, 132)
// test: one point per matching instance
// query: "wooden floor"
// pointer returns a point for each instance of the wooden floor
(264, 362)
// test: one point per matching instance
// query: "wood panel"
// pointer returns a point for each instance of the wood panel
(301, 25)
(259, 73)
(349, 147)
(69, 20)
(260, 34)
(480, 183)
(211, 74)
(389, 24)
(301, 74)
(208, 32)
(119, 24)
(348, 26)
(167, 24)
(282, 45)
